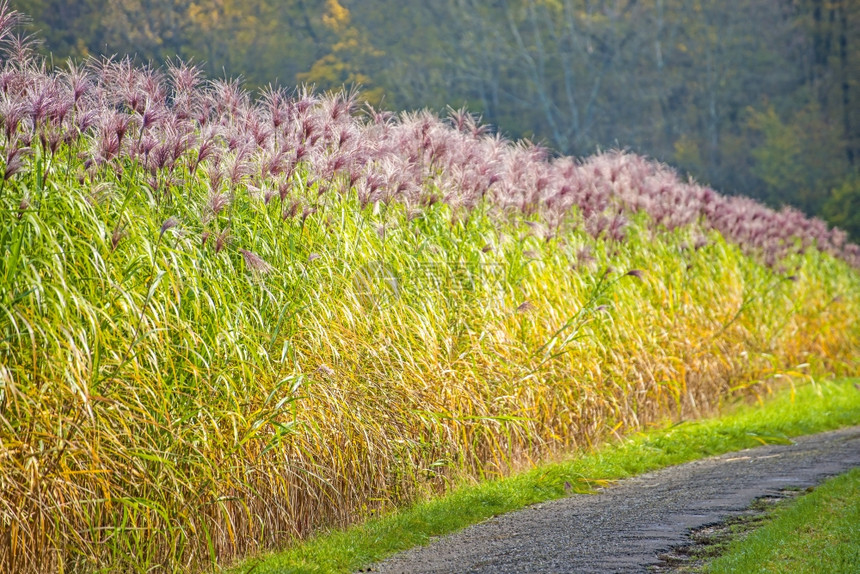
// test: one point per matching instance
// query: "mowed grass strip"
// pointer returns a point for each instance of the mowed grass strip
(816, 533)
(793, 411)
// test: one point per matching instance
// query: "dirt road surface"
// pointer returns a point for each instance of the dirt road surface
(625, 527)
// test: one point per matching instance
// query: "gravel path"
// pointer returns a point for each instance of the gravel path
(624, 527)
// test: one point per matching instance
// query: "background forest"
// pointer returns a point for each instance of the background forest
(758, 97)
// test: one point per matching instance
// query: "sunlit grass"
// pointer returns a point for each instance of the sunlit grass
(816, 533)
(810, 408)
(166, 404)
(226, 324)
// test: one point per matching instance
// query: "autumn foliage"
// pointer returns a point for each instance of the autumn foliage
(227, 321)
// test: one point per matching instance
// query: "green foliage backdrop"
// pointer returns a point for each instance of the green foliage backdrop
(756, 97)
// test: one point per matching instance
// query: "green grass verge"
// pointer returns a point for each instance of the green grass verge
(791, 412)
(817, 533)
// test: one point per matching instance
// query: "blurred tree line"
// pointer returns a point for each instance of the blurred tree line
(759, 97)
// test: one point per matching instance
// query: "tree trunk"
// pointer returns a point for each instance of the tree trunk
(850, 139)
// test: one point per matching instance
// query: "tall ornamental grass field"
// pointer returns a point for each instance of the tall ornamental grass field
(228, 322)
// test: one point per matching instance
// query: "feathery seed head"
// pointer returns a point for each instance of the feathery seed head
(254, 262)
(168, 224)
(525, 307)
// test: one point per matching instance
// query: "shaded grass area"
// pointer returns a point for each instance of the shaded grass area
(817, 533)
(791, 412)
